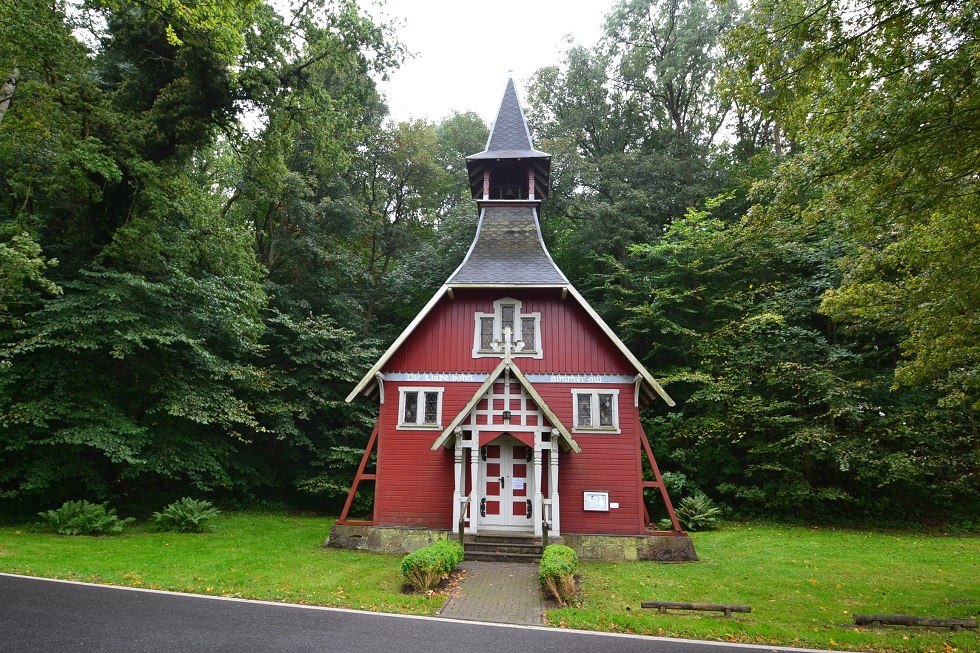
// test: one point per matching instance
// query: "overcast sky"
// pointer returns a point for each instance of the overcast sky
(464, 50)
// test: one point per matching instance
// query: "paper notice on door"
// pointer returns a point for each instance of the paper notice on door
(517, 483)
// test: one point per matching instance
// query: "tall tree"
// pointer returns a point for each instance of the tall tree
(881, 100)
(153, 368)
(631, 122)
(780, 412)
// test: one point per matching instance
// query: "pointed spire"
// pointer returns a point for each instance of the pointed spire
(509, 142)
(510, 137)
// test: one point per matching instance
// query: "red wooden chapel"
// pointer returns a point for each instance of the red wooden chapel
(508, 404)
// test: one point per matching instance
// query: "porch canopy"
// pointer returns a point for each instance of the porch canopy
(524, 437)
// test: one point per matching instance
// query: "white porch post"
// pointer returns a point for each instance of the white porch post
(457, 478)
(536, 505)
(474, 481)
(553, 484)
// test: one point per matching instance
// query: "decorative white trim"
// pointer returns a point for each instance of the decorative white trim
(649, 382)
(528, 349)
(419, 408)
(594, 410)
(507, 364)
(606, 379)
(480, 377)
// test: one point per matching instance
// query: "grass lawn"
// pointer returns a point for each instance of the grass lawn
(803, 584)
(274, 557)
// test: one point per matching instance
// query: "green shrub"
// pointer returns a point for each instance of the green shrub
(698, 513)
(678, 485)
(450, 552)
(185, 516)
(424, 568)
(83, 518)
(557, 572)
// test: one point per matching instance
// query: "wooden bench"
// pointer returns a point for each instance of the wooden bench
(908, 620)
(663, 606)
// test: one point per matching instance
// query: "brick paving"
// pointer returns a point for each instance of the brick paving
(501, 592)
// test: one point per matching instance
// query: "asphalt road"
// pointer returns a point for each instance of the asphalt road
(53, 616)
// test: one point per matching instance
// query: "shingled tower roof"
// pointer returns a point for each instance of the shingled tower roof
(508, 250)
(510, 139)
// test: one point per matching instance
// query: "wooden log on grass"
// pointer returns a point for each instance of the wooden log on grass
(909, 620)
(663, 606)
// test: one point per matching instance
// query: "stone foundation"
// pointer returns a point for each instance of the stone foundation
(661, 547)
(384, 539)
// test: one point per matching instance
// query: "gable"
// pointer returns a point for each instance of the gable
(574, 340)
(484, 394)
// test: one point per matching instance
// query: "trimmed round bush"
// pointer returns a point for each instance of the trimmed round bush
(557, 572)
(450, 553)
(424, 568)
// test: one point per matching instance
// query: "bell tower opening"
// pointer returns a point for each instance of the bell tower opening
(509, 181)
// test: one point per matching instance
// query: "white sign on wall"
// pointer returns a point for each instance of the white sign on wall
(597, 501)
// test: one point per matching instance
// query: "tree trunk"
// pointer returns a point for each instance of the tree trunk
(7, 91)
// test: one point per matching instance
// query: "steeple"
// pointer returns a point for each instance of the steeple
(509, 168)
(508, 179)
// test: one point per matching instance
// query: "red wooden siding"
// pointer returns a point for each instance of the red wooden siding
(415, 484)
(571, 341)
(609, 462)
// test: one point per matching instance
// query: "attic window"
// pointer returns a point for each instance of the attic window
(525, 329)
(420, 408)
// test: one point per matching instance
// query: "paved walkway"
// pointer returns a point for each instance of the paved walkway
(500, 592)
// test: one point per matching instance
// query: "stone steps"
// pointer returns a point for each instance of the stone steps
(502, 548)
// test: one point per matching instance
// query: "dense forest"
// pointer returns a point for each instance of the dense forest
(209, 229)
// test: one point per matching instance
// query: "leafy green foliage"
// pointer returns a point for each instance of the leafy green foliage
(22, 266)
(556, 572)
(84, 518)
(185, 515)
(425, 567)
(208, 231)
(880, 100)
(782, 411)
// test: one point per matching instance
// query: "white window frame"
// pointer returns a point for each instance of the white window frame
(530, 350)
(594, 407)
(420, 408)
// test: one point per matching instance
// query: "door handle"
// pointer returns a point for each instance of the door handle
(501, 482)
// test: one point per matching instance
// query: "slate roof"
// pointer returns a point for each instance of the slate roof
(508, 250)
(510, 138)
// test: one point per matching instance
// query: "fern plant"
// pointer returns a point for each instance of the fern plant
(185, 516)
(698, 512)
(83, 518)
